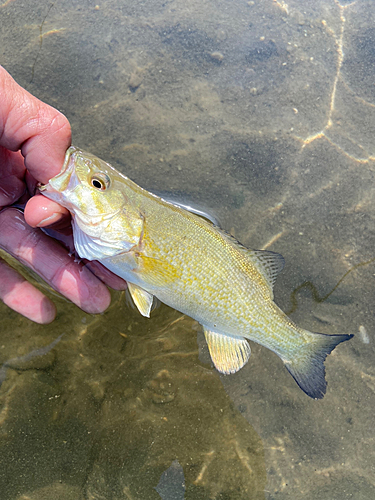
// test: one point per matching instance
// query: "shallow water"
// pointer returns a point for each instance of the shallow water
(263, 112)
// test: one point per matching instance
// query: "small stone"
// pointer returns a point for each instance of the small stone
(136, 78)
(222, 35)
(161, 388)
(218, 56)
(162, 398)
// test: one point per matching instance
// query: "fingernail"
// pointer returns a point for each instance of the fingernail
(49, 220)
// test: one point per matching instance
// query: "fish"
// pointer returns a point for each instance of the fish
(188, 263)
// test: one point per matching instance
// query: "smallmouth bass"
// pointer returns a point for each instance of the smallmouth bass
(185, 261)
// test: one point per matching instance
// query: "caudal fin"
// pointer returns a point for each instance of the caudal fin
(307, 365)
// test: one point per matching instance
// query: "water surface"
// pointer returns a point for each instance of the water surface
(263, 112)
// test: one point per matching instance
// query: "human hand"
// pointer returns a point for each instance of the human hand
(33, 140)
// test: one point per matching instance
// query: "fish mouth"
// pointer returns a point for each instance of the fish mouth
(63, 181)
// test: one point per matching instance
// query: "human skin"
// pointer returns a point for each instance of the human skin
(33, 140)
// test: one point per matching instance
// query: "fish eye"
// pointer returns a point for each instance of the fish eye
(100, 182)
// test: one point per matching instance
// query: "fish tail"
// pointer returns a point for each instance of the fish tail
(307, 364)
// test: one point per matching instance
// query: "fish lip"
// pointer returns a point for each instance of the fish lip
(57, 184)
(69, 152)
(44, 188)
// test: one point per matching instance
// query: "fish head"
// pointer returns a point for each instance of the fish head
(99, 198)
(86, 186)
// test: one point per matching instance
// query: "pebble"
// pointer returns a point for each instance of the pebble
(218, 56)
(364, 335)
(136, 78)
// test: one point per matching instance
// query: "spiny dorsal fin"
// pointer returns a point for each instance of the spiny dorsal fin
(228, 354)
(270, 264)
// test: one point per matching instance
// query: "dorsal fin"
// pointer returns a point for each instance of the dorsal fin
(268, 263)
(190, 206)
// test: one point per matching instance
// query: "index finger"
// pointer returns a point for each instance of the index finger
(41, 132)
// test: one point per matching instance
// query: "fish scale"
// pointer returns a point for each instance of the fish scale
(165, 251)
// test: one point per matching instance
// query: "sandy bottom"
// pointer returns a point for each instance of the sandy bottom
(263, 114)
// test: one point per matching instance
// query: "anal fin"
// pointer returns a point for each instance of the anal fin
(228, 354)
(142, 299)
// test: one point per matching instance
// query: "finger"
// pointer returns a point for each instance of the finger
(12, 185)
(41, 132)
(31, 183)
(24, 298)
(52, 262)
(42, 212)
(106, 276)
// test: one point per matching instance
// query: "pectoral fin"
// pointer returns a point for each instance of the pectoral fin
(91, 248)
(228, 354)
(142, 299)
